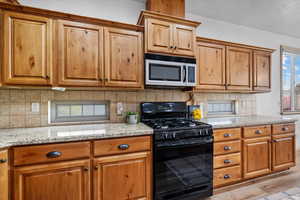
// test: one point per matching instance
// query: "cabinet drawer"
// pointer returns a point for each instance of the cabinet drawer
(227, 160)
(257, 131)
(50, 153)
(122, 145)
(227, 175)
(227, 147)
(283, 128)
(227, 134)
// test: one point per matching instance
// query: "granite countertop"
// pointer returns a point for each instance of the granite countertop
(230, 122)
(53, 134)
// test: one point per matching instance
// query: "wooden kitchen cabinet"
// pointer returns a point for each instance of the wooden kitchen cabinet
(238, 68)
(123, 177)
(168, 35)
(123, 58)
(211, 64)
(262, 71)
(283, 151)
(80, 54)
(59, 181)
(256, 157)
(27, 49)
(4, 174)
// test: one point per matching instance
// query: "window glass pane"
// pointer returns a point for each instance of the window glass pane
(88, 110)
(63, 110)
(287, 60)
(221, 107)
(76, 110)
(100, 110)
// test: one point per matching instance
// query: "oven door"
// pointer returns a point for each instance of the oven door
(164, 73)
(183, 169)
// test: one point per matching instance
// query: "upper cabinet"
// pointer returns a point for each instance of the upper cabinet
(262, 70)
(231, 67)
(80, 54)
(169, 7)
(239, 68)
(168, 35)
(123, 58)
(27, 49)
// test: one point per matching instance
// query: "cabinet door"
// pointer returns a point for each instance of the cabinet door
(262, 71)
(239, 68)
(257, 157)
(123, 58)
(159, 36)
(211, 66)
(4, 182)
(283, 151)
(80, 54)
(126, 177)
(61, 181)
(184, 40)
(27, 49)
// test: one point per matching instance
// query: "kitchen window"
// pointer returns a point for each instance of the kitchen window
(78, 111)
(290, 80)
(220, 108)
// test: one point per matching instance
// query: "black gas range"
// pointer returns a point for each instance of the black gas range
(183, 152)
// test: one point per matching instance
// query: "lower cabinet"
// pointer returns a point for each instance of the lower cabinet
(4, 193)
(283, 151)
(59, 181)
(123, 177)
(257, 157)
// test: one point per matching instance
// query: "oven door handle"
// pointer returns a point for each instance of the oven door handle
(180, 145)
(184, 73)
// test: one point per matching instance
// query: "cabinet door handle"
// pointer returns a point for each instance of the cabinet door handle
(258, 132)
(124, 146)
(3, 161)
(175, 47)
(227, 135)
(227, 176)
(285, 129)
(227, 148)
(86, 169)
(53, 154)
(227, 161)
(96, 167)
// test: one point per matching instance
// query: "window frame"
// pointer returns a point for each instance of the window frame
(293, 51)
(54, 119)
(233, 103)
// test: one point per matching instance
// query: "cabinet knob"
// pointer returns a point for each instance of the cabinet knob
(96, 167)
(227, 176)
(171, 47)
(175, 47)
(124, 146)
(227, 161)
(227, 148)
(285, 129)
(227, 135)
(258, 132)
(53, 154)
(86, 169)
(3, 161)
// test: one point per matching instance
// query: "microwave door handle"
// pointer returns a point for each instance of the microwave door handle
(184, 73)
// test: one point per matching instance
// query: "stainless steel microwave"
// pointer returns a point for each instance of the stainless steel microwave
(166, 71)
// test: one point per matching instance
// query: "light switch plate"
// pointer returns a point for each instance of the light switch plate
(120, 108)
(35, 107)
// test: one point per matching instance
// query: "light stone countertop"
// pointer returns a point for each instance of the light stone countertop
(252, 120)
(55, 134)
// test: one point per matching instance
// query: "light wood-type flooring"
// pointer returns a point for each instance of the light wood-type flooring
(262, 187)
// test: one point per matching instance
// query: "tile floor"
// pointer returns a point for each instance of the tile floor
(282, 186)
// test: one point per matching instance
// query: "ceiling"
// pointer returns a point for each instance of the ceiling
(278, 16)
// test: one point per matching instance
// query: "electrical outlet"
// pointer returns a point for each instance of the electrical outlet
(35, 107)
(120, 108)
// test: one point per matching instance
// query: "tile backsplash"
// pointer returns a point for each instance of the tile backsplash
(15, 104)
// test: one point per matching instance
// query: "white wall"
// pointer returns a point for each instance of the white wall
(128, 11)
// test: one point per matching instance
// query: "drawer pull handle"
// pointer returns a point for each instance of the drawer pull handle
(3, 161)
(227, 148)
(227, 176)
(258, 132)
(53, 154)
(227, 135)
(285, 129)
(124, 146)
(227, 161)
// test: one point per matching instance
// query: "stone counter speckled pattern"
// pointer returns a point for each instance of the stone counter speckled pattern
(30, 136)
(253, 120)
